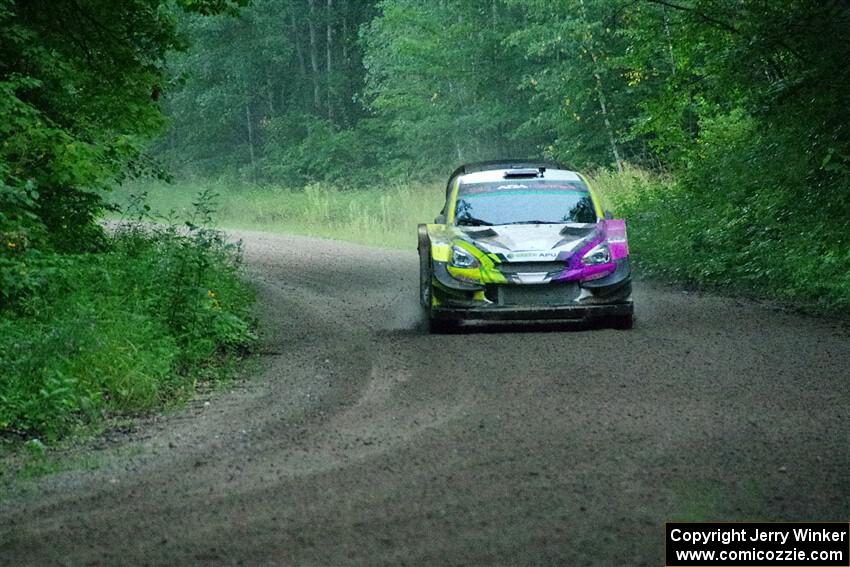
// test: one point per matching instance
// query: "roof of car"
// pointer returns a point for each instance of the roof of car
(503, 164)
(499, 175)
(495, 169)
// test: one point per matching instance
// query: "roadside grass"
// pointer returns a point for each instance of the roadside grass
(24, 464)
(42, 463)
(384, 216)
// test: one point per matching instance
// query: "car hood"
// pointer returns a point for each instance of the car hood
(538, 241)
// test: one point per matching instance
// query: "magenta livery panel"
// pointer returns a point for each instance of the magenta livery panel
(615, 234)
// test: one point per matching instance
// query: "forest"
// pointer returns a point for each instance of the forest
(719, 129)
(721, 126)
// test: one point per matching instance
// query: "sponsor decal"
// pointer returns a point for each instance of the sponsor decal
(545, 255)
(535, 188)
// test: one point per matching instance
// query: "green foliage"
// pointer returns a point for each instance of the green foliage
(322, 153)
(743, 238)
(445, 83)
(79, 83)
(576, 86)
(430, 84)
(125, 329)
(22, 266)
(251, 103)
(749, 118)
(91, 323)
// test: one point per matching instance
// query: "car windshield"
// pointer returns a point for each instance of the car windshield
(523, 201)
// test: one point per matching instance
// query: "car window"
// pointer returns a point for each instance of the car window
(524, 201)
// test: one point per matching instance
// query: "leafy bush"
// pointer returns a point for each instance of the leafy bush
(303, 149)
(23, 267)
(126, 329)
(742, 219)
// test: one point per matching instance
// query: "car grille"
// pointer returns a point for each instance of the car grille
(533, 295)
(531, 267)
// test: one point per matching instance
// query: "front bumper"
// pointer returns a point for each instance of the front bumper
(532, 313)
(606, 297)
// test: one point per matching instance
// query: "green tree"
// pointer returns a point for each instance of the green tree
(79, 87)
(281, 104)
(446, 84)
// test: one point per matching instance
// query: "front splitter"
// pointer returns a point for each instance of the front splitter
(532, 313)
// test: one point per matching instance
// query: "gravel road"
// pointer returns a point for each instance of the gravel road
(362, 440)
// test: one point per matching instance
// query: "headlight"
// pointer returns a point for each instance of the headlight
(463, 259)
(597, 255)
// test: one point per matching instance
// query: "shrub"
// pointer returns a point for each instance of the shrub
(126, 329)
(744, 217)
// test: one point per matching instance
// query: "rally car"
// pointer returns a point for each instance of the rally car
(523, 240)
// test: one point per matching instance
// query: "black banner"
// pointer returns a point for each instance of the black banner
(757, 544)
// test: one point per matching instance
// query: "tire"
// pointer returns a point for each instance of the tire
(623, 322)
(441, 326)
(425, 290)
(424, 248)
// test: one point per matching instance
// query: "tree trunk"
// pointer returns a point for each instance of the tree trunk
(270, 93)
(302, 64)
(345, 32)
(314, 54)
(249, 121)
(329, 54)
(348, 88)
(604, 108)
(669, 41)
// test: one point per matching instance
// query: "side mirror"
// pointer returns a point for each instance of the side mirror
(441, 219)
(607, 215)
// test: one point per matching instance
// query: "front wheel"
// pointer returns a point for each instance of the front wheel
(425, 275)
(425, 291)
(441, 326)
(623, 322)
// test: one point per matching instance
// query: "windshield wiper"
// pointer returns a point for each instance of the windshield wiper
(471, 221)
